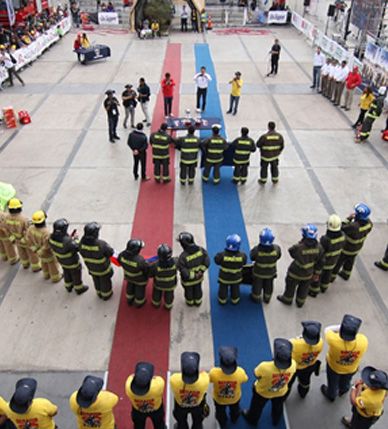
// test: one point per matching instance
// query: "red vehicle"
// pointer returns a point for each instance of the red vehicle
(23, 8)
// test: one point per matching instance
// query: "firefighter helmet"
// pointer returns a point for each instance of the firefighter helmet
(362, 211)
(233, 243)
(310, 231)
(266, 237)
(15, 203)
(38, 217)
(134, 246)
(186, 239)
(334, 223)
(382, 90)
(60, 226)
(164, 252)
(92, 229)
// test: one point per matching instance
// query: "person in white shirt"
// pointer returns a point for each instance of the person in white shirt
(184, 18)
(325, 77)
(6, 60)
(202, 81)
(340, 78)
(319, 61)
(331, 82)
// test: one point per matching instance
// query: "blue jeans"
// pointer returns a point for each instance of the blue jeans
(233, 101)
(337, 383)
(316, 76)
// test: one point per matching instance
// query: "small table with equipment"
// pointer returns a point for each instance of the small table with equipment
(94, 53)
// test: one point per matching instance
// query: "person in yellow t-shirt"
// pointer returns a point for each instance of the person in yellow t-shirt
(237, 83)
(346, 349)
(25, 411)
(189, 388)
(305, 352)
(5, 423)
(93, 406)
(146, 395)
(367, 398)
(272, 383)
(227, 380)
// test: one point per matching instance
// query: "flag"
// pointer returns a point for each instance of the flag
(11, 12)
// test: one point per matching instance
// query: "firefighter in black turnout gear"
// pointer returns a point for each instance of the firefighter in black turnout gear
(231, 262)
(164, 272)
(65, 249)
(214, 148)
(136, 271)
(356, 228)
(308, 261)
(160, 142)
(192, 264)
(96, 254)
(243, 147)
(189, 147)
(264, 257)
(332, 242)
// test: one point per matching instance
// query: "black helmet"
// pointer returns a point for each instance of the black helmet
(92, 229)
(186, 239)
(164, 252)
(60, 226)
(134, 246)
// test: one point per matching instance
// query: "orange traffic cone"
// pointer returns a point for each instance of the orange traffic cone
(209, 23)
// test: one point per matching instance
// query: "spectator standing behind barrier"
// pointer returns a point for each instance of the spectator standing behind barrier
(111, 105)
(168, 84)
(144, 99)
(352, 82)
(365, 101)
(129, 103)
(194, 20)
(138, 143)
(184, 18)
(9, 63)
(204, 18)
(227, 380)
(237, 83)
(319, 61)
(367, 397)
(346, 349)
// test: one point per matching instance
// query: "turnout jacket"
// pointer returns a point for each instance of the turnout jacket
(160, 141)
(271, 146)
(264, 260)
(231, 265)
(193, 259)
(65, 249)
(136, 268)
(214, 148)
(17, 226)
(96, 254)
(332, 243)
(308, 259)
(189, 147)
(243, 147)
(37, 239)
(356, 232)
(165, 274)
(376, 108)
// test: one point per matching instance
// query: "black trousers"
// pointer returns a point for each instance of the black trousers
(257, 405)
(168, 103)
(366, 128)
(135, 293)
(187, 169)
(304, 379)
(258, 285)
(142, 159)
(323, 283)
(240, 173)
(201, 93)
(302, 287)
(183, 24)
(73, 278)
(193, 294)
(157, 298)
(112, 125)
(274, 64)
(234, 293)
(361, 117)
(12, 72)
(181, 415)
(216, 171)
(103, 285)
(158, 165)
(157, 417)
(264, 170)
(221, 415)
(360, 422)
(346, 262)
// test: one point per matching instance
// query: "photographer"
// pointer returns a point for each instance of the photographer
(236, 92)
(9, 62)
(111, 106)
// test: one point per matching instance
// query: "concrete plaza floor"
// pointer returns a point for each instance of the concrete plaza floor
(62, 162)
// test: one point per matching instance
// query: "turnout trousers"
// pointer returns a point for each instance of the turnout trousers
(135, 293)
(73, 278)
(302, 287)
(346, 262)
(366, 128)
(187, 169)
(234, 293)
(216, 171)
(258, 285)
(240, 173)
(103, 285)
(264, 170)
(193, 294)
(157, 295)
(160, 164)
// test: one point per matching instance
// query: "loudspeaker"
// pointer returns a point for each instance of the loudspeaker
(331, 10)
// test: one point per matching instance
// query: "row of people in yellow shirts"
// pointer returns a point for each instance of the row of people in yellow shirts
(295, 359)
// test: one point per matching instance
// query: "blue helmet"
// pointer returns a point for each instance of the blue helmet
(266, 237)
(362, 211)
(233, 243)
(310, 231)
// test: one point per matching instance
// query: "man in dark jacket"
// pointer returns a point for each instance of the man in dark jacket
(111, 105)
(160, 142)
(137, 141)
(243, 147)
(308, 261)
(189, 147)
(144, 94)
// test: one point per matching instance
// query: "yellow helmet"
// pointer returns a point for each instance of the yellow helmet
(15, 203)
(334, 223)
(38, 217)
(2, 47)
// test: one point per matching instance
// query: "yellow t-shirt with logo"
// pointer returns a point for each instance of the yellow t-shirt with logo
(236, 91)
(227, 388)
(99, 414)
(273, 382)
(370, 403)
(3, 407)
(149, 402)
(38, 415)
(189, 395)
(344, 357)
(304, 354)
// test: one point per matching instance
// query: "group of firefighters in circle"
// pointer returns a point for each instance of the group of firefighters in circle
(296, 359)
(315, 263)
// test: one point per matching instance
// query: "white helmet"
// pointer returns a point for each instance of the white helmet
(334, 223)
(382, 90)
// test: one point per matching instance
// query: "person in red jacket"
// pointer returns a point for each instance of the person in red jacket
(352, 82)
(168, 84)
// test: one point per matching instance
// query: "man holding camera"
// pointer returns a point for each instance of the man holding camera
(111, 105)
(236, 92)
